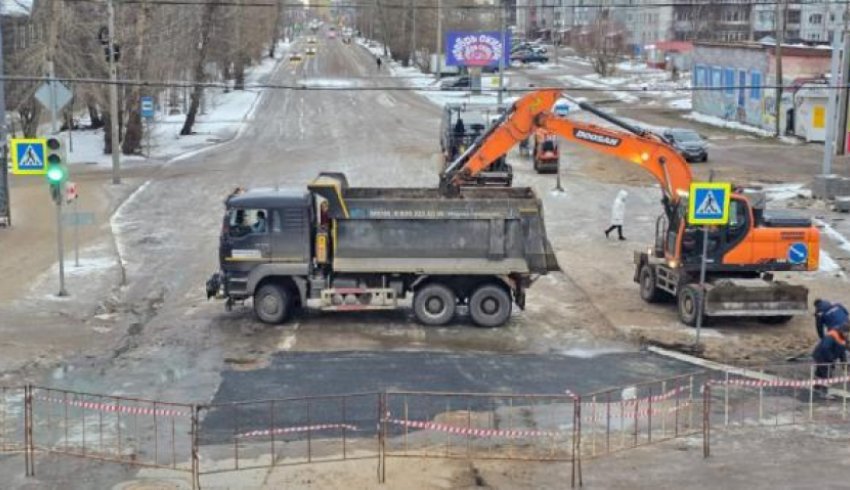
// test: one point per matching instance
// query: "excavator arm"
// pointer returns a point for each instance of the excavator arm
(533, 111)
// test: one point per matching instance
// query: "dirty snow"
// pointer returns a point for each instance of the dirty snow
(827, 264)
(723, 123)
(684, 104)
(784, 192)
(15, 7)
(832, 233)
(225, 116)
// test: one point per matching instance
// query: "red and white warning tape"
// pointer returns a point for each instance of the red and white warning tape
(302, 428)
(630, 413)
(111, 407)
(782, 383)
(469, 431)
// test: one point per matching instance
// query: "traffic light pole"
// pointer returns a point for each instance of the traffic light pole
(113, 97)
(59, 242)
(5, 214)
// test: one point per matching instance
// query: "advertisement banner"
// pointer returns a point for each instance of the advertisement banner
(480, 49)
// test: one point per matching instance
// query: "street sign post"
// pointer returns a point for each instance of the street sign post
(147, 106)
(71, 195)
(28, 156)
(708, 204)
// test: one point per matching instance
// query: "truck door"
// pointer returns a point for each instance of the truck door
(245, 238)
(290, 234)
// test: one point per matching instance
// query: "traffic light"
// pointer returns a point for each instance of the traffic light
(57, 172)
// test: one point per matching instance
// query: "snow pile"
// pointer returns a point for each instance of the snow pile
(683, 104)
(224, 117)
(723, 123)
(827, 264)
(783, 192)
(841, 240)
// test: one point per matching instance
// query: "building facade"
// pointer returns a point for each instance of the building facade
(734, 81)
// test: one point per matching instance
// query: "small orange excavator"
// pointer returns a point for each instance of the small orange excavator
(742, 257)
(546, 155)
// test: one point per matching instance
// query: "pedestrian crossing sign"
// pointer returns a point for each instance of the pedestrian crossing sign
(709, 203)
(28, 156)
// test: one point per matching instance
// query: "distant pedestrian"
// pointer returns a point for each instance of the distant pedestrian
(831, 348)
(378, 60)
(618, 214)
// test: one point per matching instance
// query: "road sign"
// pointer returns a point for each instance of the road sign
(147, 107)
(62, 93)
(81, 218)
(71, 191)
(28, 156)
(709, 203)
(798, 253)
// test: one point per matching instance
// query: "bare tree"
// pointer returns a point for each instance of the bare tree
(198, 71)
(602, 42)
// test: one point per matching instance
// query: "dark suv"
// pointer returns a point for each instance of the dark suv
(688, 143)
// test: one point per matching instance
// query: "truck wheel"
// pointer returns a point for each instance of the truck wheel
(688, 301)
(272, 303)
(649, 292)
(490, 306)
(434, 305)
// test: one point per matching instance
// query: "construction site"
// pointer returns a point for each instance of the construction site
(356, 272)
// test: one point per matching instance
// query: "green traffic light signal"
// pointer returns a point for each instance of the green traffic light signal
(56, 173)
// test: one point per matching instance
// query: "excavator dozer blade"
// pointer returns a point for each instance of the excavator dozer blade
(755, 297)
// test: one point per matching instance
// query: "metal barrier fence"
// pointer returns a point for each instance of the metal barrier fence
(477, 426)
(632, 416)
(125, 430)
(783, 394)
(261, 434)
(210, 439)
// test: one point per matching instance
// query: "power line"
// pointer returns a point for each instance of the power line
(354, 6)
(325, 85)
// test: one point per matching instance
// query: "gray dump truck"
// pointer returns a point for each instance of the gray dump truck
(344, 248)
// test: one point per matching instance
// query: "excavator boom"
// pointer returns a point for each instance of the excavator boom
(533, 111)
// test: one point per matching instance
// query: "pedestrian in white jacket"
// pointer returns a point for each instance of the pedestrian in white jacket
(618, 214)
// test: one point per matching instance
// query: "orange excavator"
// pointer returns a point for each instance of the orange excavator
(546, 155)
(741, 257)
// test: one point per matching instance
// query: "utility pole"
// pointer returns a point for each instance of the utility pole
(439, 38)
(831, 105)
(780, 34)
(5, 208)
(504, 51)
(413, 3)
(840, 143)
(113, 96)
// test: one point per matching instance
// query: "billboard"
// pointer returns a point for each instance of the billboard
(464, 48)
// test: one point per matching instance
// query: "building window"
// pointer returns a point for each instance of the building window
(755, 85)
(815, 18)
(716, 77)
(729, 81)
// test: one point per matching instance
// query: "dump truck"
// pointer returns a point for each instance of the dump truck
(341, 248)
(742, 258)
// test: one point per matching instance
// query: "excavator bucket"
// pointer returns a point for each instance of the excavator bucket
(755, 297)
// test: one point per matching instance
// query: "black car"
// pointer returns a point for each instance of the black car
(689, 143)
(456, 83)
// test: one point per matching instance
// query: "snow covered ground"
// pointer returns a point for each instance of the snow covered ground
(224, 117)
(723, 123)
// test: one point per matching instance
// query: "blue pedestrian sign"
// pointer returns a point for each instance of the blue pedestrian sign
(798, 253)
(709, 203)
(28, 156)
(147, 107)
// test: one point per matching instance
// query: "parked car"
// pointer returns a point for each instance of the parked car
(527, 46)
(689, 143)
(529, 57)
(311, 51)
(455, 83)
(295, 57)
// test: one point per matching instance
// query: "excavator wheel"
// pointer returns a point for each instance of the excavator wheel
(688, 301)
(649, 292)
